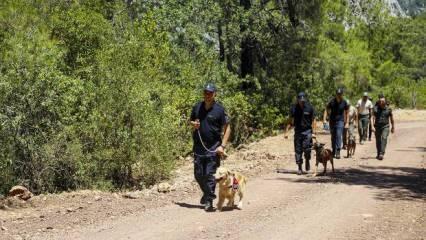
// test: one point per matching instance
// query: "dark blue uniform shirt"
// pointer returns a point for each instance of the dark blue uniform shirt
(303, 117)
(211, 125)
(337, 110)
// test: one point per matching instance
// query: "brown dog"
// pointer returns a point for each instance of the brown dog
(323, 155)
(351, 146)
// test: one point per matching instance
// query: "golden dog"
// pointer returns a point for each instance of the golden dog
(230, 184)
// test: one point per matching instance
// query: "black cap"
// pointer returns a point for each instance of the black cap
(339, 91)
(301, 96)
(381, 95)
(210, 87)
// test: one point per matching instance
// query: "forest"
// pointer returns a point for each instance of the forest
(97, 93)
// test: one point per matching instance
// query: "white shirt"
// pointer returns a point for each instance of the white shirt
(364, 106)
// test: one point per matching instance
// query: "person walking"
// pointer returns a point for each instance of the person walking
(337, 111)
(364, 106)
(208, 120)
(302, 117)
(349, 133)
(382, 115)
(369, 120)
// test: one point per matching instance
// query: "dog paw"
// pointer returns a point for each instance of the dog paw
(240, 206)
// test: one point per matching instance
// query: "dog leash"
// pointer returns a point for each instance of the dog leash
(202, 143)
(224, 156)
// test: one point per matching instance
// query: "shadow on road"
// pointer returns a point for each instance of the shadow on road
(412, 149)
(398, 183)
(281, 170)
(187, 205)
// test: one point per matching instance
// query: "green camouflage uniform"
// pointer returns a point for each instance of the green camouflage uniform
(381, 124)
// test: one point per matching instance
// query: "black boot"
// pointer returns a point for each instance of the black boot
(299, 171)
(307, 166)
(203, 201)
(209, 206)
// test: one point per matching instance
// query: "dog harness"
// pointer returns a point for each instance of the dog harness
(235, 185)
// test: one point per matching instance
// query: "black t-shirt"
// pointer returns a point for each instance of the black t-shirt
(303, 117)
(382, 115)
(211, 124)
(337, 110)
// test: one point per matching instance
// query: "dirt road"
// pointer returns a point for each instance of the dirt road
(364, 199)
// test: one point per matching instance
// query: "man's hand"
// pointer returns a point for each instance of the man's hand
(220, 151)
(286, 135)
(393, 129)
(195, 124)
(373, 129)
(346, 125)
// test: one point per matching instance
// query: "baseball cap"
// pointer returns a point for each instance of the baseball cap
(339, 91)
(210, 87)
(365, 94)
(301, 96)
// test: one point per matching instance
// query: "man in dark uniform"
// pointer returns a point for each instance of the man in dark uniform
(302, 117)
(337, 109)
(382, 113)
(208, 120)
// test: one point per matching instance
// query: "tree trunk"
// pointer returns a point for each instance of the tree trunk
(292, 12)
(247, 46)
(221, 45)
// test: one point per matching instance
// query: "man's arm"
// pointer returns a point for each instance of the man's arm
(356, 120)
(195, 123)
(288, 126)
(358, 108)
(325, 115)
(314, 127)
(346, 118)
(226, 134)
(393, 124)
(372, 122)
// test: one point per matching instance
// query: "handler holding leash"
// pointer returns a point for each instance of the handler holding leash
(302, 117)
(208, 120)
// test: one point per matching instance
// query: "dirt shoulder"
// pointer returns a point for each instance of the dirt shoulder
(50, 213)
